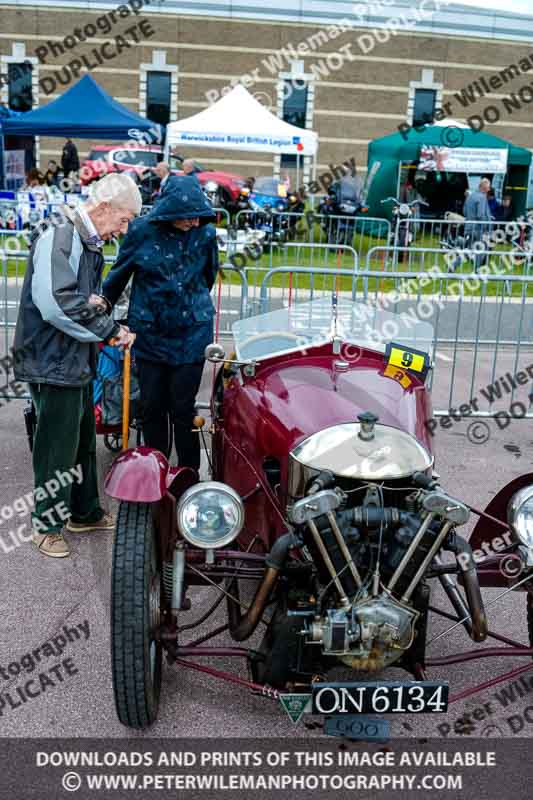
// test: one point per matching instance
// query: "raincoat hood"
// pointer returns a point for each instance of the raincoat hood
(183, 199)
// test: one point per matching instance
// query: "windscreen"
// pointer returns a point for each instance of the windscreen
(350, 190)
(307, 325)
(97, 155)
(266, 186)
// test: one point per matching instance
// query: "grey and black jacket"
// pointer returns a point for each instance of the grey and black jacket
(57, 330)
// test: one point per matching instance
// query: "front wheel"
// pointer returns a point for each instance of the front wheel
(136, 652)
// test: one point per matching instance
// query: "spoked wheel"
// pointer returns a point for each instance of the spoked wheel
(136, 588)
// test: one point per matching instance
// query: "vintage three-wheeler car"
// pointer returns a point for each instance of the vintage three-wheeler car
(323, 500)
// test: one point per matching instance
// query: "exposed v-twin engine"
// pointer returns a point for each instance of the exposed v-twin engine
(370, 620)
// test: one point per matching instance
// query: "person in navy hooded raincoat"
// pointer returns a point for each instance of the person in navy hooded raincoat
(173, 257)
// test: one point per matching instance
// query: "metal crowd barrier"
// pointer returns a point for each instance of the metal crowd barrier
(313, 284)
(29, 210)
(360, 232)
(483, 322)
(422, 259)
(434, 232)
(327, 258)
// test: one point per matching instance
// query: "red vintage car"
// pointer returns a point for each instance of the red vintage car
(323, 495)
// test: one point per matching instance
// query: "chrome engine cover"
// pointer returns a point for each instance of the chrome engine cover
(374, 633)
(390, 454)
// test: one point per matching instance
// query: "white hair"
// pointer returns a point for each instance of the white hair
(118, 190)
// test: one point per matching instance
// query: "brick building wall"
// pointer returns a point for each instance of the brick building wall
(368, 97)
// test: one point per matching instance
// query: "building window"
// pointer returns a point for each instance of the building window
(158, 96)
(20, 96)
(294, 110)
(424, 110)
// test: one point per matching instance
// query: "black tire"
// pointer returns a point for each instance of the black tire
(135, 616)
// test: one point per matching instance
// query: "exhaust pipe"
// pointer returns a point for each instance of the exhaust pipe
(470, 582)
(241, 626)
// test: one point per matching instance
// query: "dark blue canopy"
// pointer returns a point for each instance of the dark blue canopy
(85, 111)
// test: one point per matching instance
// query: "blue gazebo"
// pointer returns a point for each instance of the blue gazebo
(85, 111)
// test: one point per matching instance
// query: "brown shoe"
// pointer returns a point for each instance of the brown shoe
(51, 544)
(106, 523)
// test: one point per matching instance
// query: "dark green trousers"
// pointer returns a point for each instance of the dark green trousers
(65, 439)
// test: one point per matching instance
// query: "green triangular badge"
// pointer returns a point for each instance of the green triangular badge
(295, 705)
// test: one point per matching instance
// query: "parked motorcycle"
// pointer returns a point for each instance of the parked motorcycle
(268, 201)
(242, 204)
(461, 241)
(522, 242)
(403, 231)
(340, 208)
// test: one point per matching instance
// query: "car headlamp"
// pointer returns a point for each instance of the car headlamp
(210, 515)
(520, 515)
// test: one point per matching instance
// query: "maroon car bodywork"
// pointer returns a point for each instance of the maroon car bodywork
(260, 418)
(292, 397)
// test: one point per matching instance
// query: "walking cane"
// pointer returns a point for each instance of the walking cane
(126, 397)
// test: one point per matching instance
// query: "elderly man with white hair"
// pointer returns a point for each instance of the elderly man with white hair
(59, 326)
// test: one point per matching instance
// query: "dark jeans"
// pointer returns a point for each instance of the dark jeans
(475, 234)
(168, 397)
(65, 438)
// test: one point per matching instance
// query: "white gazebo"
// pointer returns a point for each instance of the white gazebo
(240, 122)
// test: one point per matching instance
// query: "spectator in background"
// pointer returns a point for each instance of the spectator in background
(494, 206)
(476, 208)
(162, 170)
(476, 211)
(34, 178)
(35, 184)
(296, 205)
(70, 161)
(168, 183)
(506, 211)
(51, 175)
(190, 168)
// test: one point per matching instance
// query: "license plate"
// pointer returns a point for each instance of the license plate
(400, 697)
(358, 728)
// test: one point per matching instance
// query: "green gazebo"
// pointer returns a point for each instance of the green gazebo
(399, 152)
